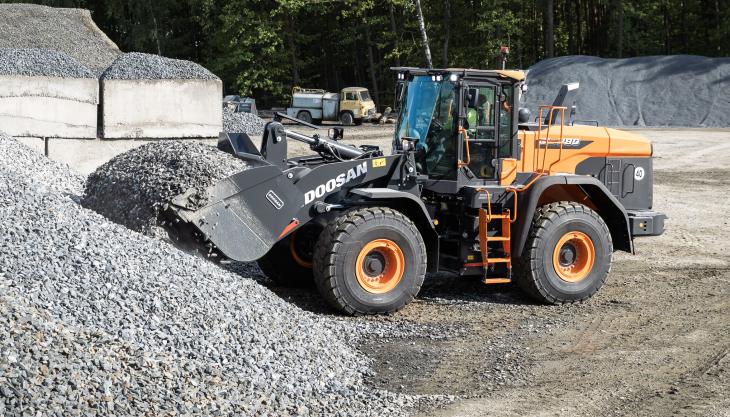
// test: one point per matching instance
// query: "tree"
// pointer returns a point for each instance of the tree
(424, 35)
(264, 47)
(549, 29)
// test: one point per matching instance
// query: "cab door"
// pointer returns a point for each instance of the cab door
(481, 128)
(350, 102)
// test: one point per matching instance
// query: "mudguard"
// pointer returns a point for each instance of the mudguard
(609, 208)
(412, 206)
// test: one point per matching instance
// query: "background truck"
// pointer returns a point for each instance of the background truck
(352, 105)
(238, 104)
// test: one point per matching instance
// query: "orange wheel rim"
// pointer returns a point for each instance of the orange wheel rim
(297, 258)
(380, 266)
(574, 256)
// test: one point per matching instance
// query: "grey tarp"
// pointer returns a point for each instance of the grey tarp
(677, 90)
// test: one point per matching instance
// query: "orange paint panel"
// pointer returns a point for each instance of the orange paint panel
(625, 143)
(578, 144)
(508, 172)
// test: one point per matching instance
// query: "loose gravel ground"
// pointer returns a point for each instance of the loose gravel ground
(95, 318)
(132, 187)
(71, 31)
(139, 66)
(242, 123)
(41, 62)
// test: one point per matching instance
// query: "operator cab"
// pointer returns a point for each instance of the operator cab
(461, 123)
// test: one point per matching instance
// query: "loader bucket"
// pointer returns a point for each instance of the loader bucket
(243, 215)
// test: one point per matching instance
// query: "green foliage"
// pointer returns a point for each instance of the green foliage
(265, 47)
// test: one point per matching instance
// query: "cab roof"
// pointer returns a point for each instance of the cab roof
(354, 89)
(517, 75)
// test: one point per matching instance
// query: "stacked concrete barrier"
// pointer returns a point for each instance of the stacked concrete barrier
(45, 93)
(149, 96)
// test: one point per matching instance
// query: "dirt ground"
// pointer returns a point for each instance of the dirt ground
(654, 341)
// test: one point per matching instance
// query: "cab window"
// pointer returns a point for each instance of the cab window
(364, 95)
(428, 114)
(350, 95)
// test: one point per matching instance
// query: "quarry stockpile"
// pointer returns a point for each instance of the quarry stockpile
(243, 123)
(149, 96)
(98, 319)
(46, 93)
(672, 91)
(71, 31)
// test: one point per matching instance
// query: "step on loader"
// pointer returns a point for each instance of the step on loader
(471, 186)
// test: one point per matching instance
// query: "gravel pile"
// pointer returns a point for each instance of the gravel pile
(242, 123)
(71, 31)
(99, 319)
(41, 62)
(139, 66)
(35, 167)
(132, 187)
(677, 90)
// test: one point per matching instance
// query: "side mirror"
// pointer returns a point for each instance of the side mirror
(523, 115)
(408, 143)
(336, 133)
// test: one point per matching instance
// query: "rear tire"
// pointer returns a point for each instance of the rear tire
(369, 261)
(304, 116)
(567, 256)
(289, 262)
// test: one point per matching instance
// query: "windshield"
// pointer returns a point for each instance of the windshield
(364, 95)
(428, 113)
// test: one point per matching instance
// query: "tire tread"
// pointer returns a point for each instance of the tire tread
(527, 264)
(334, 236)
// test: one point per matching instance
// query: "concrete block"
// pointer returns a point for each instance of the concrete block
(49, 106)
(161, 108)
(86, 155)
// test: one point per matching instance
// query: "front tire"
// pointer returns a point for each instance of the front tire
(370, 261)
(289, 262)
(567, 256)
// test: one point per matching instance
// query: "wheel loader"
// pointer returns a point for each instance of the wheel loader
(469, 187)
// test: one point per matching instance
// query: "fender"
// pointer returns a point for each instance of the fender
(412, 206)
(609, 208)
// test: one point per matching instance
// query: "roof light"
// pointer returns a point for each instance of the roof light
(454, 77)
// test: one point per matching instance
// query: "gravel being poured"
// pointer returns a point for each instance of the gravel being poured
(132, 188)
